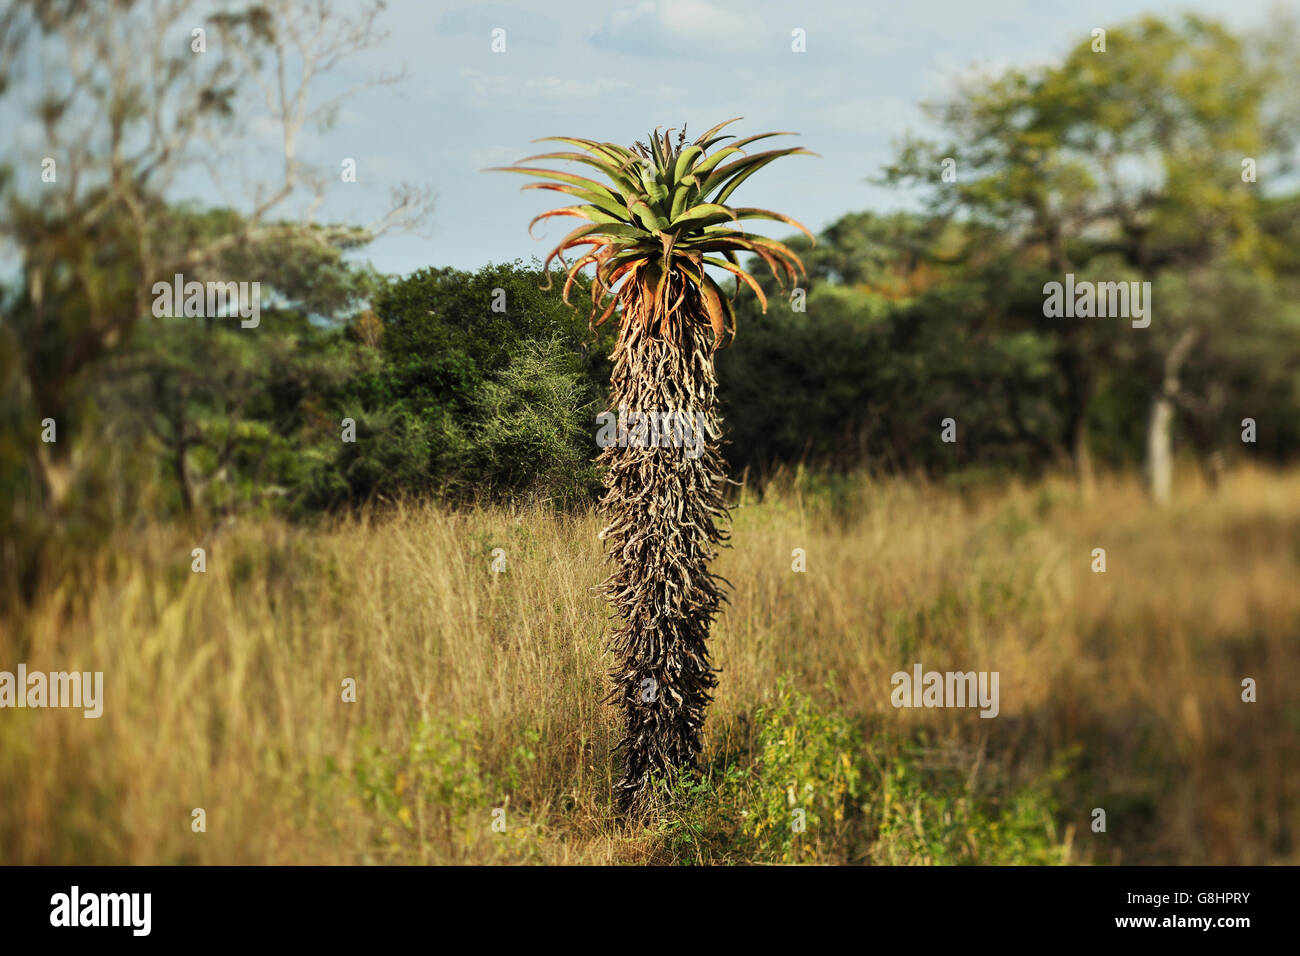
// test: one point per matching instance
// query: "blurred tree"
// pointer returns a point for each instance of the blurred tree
(459, 349)
(900, 327)
(127, 116)
(1115, 166)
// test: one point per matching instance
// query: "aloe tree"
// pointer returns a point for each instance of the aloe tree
(653, 229)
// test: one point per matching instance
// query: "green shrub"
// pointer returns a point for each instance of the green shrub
(438, 791)
(923, 812)
(816, 787)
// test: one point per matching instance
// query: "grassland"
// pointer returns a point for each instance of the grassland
(480, 692)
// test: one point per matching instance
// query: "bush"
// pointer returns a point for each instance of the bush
(819, 788)
(438, 790)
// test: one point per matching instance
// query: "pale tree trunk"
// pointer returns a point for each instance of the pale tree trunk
(55, 475)
(1160, 464)
(1083, 464)
(1160, 449)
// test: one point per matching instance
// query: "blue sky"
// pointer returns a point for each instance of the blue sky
(614, 70)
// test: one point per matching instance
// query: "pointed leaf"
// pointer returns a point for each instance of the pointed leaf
(715, 129)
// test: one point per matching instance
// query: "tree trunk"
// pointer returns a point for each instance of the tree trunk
(54, 474)
(1083, 470)
(1160, 451)
(1078, 392)
(183, 478)
(1202, 419)
(1214, 465)
(664, 505)
(1160, 464)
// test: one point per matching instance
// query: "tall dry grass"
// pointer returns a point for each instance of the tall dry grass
(479, 691)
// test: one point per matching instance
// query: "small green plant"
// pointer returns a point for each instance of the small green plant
(816, 787)
(439, 791)
(792, 798)
(806, 767)
(924, 811)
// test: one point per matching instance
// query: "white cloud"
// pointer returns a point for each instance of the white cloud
(678, 27)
